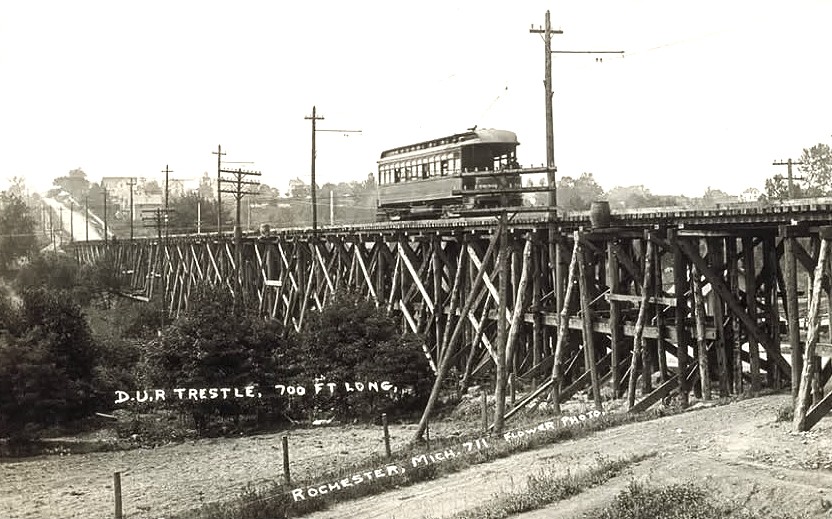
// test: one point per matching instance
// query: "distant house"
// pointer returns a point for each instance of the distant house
(752, 194)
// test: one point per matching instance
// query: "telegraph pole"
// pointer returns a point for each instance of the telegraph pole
(547, 32)
(71, 221)
(167, 171)
(61, 225)
(105, 215)
(131, 183)
(314, 117)
(789, 163)
(219, 155)
(87, 217)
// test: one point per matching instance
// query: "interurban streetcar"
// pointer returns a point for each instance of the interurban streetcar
(418, 180)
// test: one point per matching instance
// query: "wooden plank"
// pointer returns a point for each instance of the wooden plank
(819, 410)
(666, 301)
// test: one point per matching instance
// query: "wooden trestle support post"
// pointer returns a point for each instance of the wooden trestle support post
(555, 308)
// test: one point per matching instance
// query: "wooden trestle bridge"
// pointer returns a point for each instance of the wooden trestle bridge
(714, 302)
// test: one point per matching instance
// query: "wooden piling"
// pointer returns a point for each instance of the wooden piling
(563, 331)
(616, 331)
(751, 308)
(792, 316)
(802, 404)
(586, 320)
(638, 337)
(680, 283)
(701, 346)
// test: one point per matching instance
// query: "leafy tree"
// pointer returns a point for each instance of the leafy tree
(75, 183)
(216, 343)
(46, 365)
(189, 209)
(56, 272)
(17, 230)
(817, 170)
(777, 188)
(578, 193)
(351, 340)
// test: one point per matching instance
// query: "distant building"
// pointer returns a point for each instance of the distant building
(118, 192)
(752, 194)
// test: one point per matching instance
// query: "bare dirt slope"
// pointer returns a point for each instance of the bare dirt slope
(739, 449)
(157, 482)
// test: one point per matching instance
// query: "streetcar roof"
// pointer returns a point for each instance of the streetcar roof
(486, 135)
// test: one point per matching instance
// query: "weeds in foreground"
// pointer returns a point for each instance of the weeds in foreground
(644, 501)
(277, 502)
(785, 413)
(548, 487)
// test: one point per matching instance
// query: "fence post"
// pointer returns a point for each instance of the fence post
(484, 411)
(117, 492)
(386, 435)
(286, 460)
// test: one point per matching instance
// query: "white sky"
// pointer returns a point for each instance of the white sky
(709, 93)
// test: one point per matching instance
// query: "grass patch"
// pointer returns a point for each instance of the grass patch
(546, 488)
(644, 501)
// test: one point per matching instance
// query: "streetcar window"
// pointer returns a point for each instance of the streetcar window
(444, 168)
(425, 170)
(397, 176)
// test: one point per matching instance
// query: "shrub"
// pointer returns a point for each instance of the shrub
(352, 340)
(217, 343)
(47, 368)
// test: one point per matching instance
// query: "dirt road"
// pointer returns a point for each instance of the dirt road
(738, 449)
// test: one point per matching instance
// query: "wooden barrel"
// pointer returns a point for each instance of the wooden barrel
(599, 214)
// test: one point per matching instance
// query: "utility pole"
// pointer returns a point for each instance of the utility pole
(61, 225)
(167, 171)
(791, 178)
(105, 215)
(238, 193)
(71, 221)
(219, 155)
(547, 32)
(131, 183)
(52, 234)
(87, 217)
(551, 169)
(314, 117)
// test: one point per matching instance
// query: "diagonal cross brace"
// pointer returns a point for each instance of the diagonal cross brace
(736, 308)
